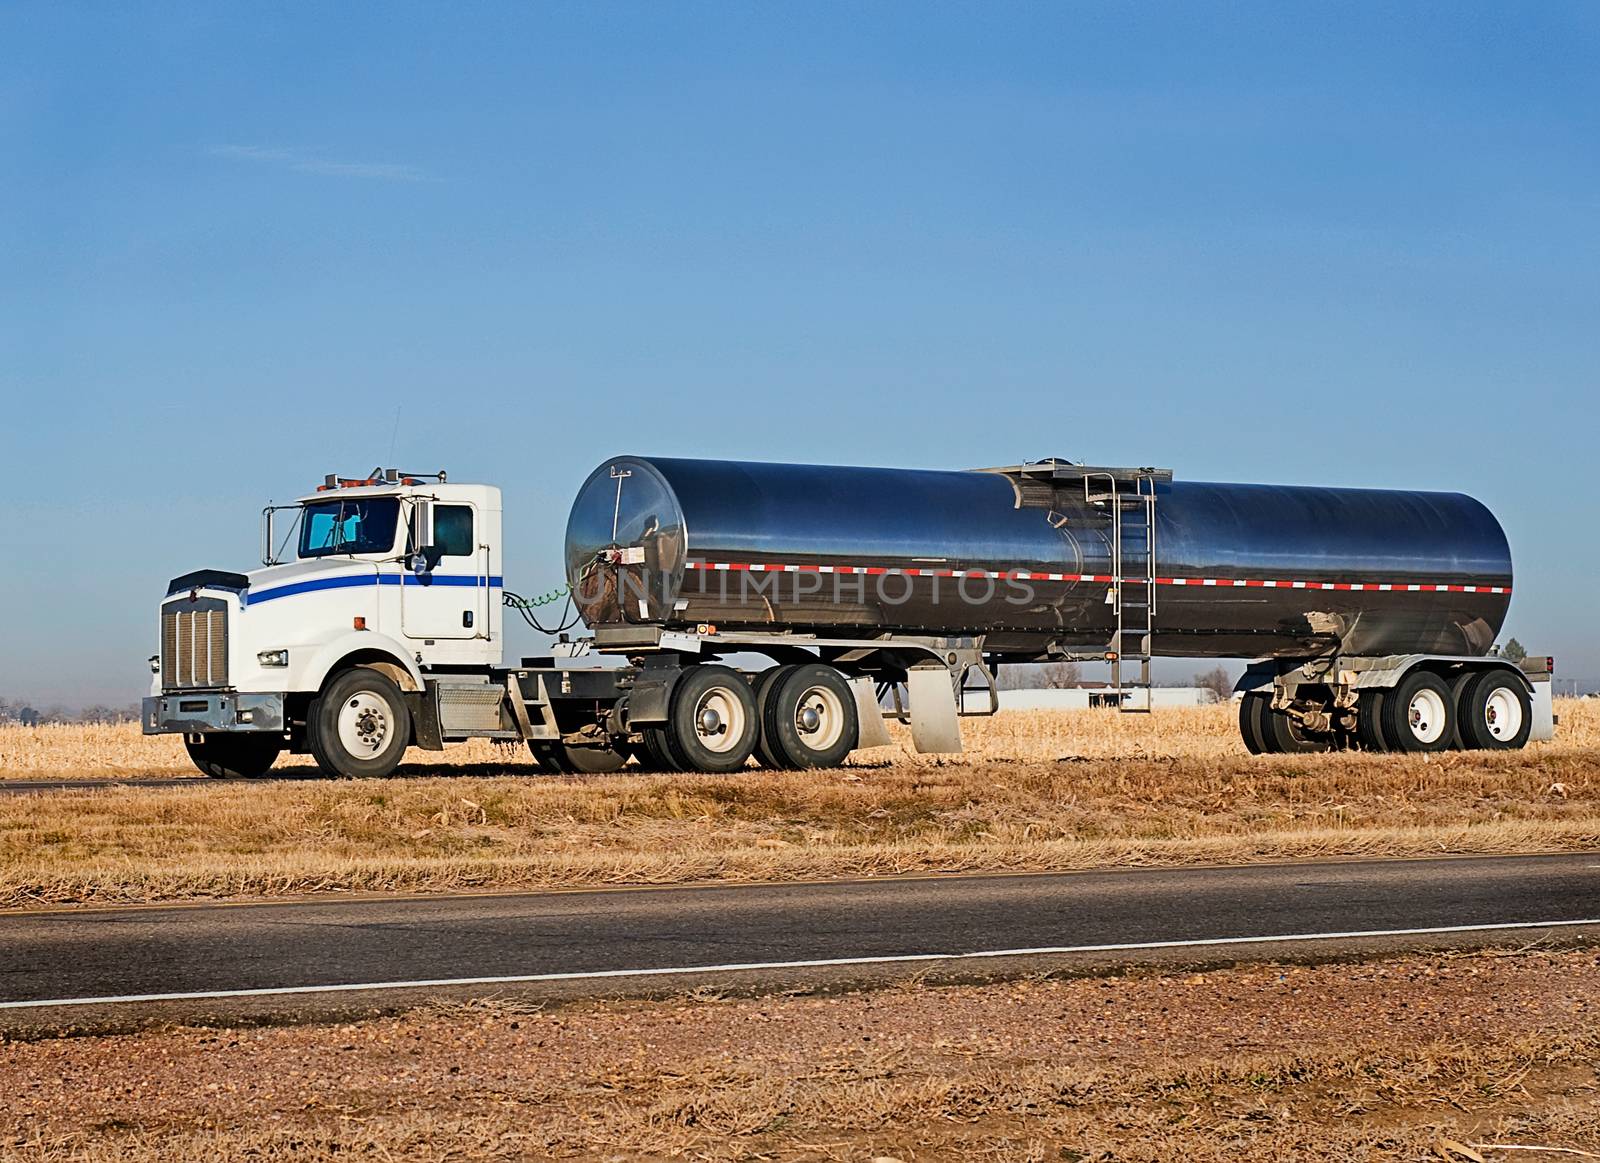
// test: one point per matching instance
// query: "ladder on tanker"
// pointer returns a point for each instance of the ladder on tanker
(1127, 497)
(1129, 500)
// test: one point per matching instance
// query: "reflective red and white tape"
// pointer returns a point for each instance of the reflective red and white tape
(1106, 579)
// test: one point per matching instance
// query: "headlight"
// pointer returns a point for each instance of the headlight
(273, 658)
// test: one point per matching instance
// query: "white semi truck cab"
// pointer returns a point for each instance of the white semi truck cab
(393, 576)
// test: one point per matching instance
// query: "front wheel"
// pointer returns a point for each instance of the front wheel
(359, 727)
(235, 756)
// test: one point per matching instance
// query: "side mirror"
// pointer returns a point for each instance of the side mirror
(420, 536)
(424, 560)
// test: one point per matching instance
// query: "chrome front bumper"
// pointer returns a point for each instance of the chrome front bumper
(208, 712)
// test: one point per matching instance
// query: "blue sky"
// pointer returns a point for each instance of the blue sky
(1344, 244)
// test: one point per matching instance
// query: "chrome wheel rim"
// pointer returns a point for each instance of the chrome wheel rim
(819, 718)
(366, 723)
(719, 720)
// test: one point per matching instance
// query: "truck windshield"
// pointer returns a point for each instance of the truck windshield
(364, 525)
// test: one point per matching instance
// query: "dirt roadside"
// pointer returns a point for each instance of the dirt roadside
(1403, 1058)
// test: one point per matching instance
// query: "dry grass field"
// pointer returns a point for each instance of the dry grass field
(1453, 1059)
(120, 752)
(1036, 790)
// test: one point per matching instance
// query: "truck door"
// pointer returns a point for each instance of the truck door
(453, 600)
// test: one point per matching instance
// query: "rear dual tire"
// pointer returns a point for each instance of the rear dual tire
(1269, 732)
(1419, 715)
(808, 717)
(1496, 713)
(712, 724)
(789, 717)
(1484, 711)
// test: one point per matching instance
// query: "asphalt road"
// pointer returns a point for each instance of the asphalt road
(596, 941)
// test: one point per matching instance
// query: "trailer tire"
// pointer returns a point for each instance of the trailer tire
(1419, 715)
(1281, 735)
(809, 717)
(1458, 697)
(359, 727)
(1369, 721)
(1496, 712)
(1250, 722)
(657, 751)
(713, 724)
(235, 756)
(766, 754)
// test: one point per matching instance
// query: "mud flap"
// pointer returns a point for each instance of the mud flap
(869, 714)
(935, 725)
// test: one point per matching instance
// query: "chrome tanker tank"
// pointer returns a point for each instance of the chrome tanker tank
(1026, 559)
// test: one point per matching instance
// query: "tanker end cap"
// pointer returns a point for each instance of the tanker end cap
(626, 544)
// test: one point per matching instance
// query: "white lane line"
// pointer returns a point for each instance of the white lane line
(814, 963)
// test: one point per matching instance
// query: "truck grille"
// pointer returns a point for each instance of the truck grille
(194, 644)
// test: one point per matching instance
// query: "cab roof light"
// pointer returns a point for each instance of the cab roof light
(380, 476)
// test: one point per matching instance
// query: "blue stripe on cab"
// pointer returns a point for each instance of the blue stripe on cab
(348, 581)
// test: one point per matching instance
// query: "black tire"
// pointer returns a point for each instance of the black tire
(1250, 723)
(1495, 713)
(656, 751)
(1419, 715)
(544, 754)
(577, 760)
(766, 754)
(1458, 697)
(235, 756)
(809, 717)
(567, 759)
(1369, 721)
(368, 706)
(713, 722)
(1283, 736)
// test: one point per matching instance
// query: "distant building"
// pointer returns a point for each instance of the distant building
(1088, 696)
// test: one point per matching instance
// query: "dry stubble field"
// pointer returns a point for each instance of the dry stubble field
(1036, 790)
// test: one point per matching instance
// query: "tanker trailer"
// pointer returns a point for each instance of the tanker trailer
(1369, 613)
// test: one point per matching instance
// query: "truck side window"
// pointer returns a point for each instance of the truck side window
(452, 530)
